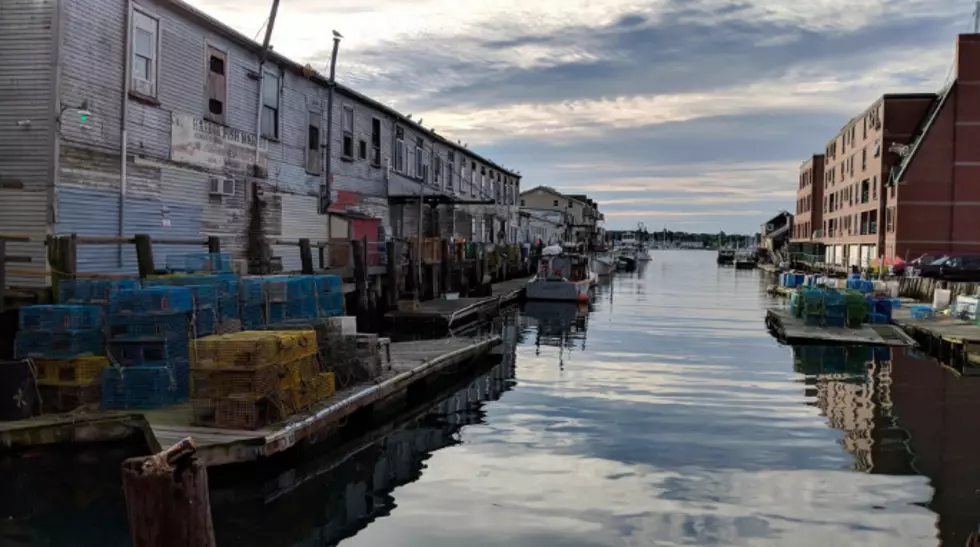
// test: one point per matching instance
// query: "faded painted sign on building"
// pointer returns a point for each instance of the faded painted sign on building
(199, 142)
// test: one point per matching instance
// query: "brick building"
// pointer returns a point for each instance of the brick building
(901, 178)
(809, 219)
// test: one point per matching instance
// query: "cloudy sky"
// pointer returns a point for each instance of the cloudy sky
(690, 114)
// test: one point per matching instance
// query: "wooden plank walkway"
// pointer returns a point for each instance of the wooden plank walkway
(73, 428)
(462, 310)
(410, 361)
(792, 329)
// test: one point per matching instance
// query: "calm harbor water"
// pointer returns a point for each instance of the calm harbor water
(665, 415)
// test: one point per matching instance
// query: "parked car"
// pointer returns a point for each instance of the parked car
(954, 268)
(911, 266)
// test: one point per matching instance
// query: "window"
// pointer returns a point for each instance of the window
(217, 85)
(270, 105)
(313, 155)
(556, 203)
(484, 189)
(874, 188)
(400, 149)
(522, 203)
(146, 50)
(420, 163)
(450, 167)
(376, 142)
(361, 149)
(472, 178)
(864, 159)
(437, 171)
(347, 122)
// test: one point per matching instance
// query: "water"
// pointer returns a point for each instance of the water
(666, 415)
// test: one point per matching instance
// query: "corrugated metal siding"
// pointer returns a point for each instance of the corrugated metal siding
(96, 213)
(25, 150)
(299, 219)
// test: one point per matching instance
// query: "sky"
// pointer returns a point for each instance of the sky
(692, 115)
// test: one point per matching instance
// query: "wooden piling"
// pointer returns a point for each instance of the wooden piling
(167, 499)
(62, 253)
(446, 267)
(144, 255)
(360, 282)
(306, 256)
(214, 244)
(393, 270)
(3, 273)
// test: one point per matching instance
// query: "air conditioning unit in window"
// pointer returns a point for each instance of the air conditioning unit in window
(222, 186)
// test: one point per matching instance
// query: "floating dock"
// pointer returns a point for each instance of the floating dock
(791, 329)
(462, 310)
(410, 362)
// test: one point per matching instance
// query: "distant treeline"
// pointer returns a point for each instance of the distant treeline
(708, 240)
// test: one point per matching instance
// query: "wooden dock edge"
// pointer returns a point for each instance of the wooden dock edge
(66, 429)
(253, 449)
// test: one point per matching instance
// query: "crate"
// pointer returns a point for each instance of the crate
(299, 398)
(228, 308)
(208, 262)
(252, 349)
(331, 305)
(324, 386)
(18, 391)
(57, 398)
(241, 412)
(228, 326)
(328, 284)
(81, 369)
(58, 345)
(217, 383)
(295, 373)
(165, 325)
(60, 317)
(160, 298)
(205, 323)
(128, 352)
(277, 288)
(139, 388)
(93, 291)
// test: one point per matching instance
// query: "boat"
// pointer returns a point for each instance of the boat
(744, 260)
(603, 264)
(562, 276)
(642, 254)
(726, 257)
(625, 262)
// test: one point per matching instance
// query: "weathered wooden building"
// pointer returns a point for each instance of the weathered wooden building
(145, 116)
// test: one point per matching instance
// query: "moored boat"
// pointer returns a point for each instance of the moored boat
(603, 264)
(561, 276)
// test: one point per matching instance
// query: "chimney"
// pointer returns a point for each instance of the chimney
(968, 58)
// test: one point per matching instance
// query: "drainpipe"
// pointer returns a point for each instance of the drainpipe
(328, 163)
(53, 211)
(124, 122)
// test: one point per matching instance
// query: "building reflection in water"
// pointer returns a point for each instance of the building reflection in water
(323, 501)
(903, 413)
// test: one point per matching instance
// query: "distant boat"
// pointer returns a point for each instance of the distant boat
(726, 257)
(603, 264)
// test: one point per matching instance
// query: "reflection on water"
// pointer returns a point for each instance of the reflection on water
(663, 415)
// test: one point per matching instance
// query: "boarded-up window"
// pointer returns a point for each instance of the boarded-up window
(217, 85)
(314, 157)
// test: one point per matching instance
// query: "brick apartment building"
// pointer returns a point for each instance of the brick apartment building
(808, 219)
(903, 177)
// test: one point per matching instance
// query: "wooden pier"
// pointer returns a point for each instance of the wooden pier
(462, 310)
(410, 363)
(948, 339)
(791, 329)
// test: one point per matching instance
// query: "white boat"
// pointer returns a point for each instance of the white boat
(603, 264)
(563, 277)
(642, 254)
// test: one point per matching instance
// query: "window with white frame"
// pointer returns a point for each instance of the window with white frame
(146, 52)
(400, 149)
(270, 105)
(420, 163)
(450, 167)
(348, 127)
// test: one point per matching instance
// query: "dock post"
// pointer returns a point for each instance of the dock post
(144, 255)
(446, 267)
(167, 499)
(306, 256)
(61, 256)
(413, 274)
(3, 272)
(214, 244)
(481, 268)
(360, 281)
(392, 274)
